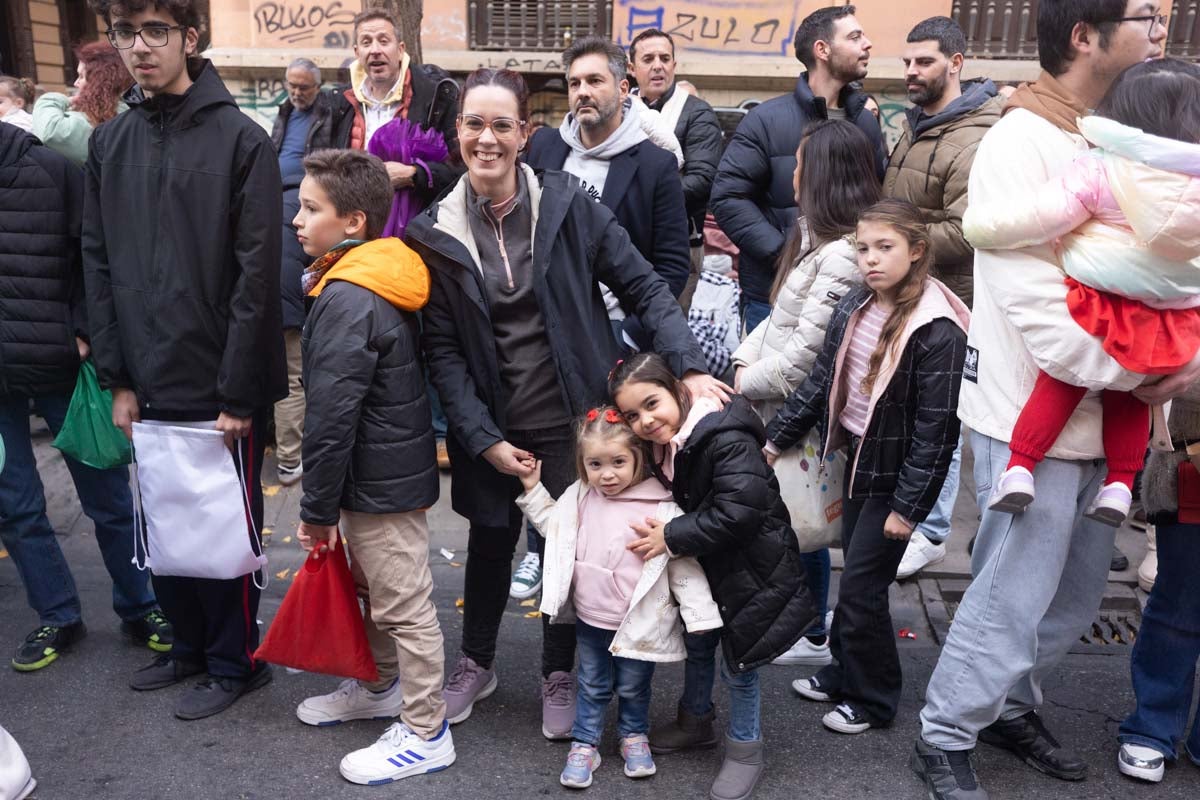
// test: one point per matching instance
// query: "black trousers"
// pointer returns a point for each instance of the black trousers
(866, 669)
(490, 553)
(215, 621)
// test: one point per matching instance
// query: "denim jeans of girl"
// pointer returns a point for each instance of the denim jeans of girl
(601, 675)
(699, 673)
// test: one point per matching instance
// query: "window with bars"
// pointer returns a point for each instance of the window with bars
(536, 24)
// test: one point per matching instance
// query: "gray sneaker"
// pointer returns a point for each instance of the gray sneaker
(468, 684)
(948, 774)
(558, 705)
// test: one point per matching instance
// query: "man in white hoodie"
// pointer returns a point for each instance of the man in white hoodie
(603, 142)
(1038, 576)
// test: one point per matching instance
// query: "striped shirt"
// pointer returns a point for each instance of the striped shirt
(862, 344)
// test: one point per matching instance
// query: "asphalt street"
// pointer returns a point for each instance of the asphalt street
(88, 736)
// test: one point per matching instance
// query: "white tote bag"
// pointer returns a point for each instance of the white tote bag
(813, 497)
(192, 506)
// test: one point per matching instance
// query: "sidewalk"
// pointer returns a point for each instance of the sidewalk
(88, 736)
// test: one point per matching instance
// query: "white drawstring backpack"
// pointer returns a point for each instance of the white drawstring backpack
(191, 506)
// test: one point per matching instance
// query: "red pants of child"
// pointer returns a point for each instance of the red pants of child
(1125, 435)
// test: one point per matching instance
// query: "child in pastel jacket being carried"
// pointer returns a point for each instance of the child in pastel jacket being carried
(628, 613)
(1128, 216)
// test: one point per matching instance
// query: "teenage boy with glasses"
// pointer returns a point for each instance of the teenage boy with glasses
(181, 252)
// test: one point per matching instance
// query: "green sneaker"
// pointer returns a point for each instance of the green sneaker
(43, 647)
(152, 630)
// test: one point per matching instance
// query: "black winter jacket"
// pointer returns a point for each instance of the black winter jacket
(737, 526)
(913, 430)
(577, 243)
(699, 134)
(368, 432)
(41, 281)
(752, 197)
(181, 259)
(294, 260)
(644, 192)
(332, 118)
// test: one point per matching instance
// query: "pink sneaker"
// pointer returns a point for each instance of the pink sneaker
(558, 705)
(1013, 492)
(468, 684)
(1111, 506)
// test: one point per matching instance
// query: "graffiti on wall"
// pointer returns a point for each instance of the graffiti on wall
(305, 24)
(259, 98)
(742, 28)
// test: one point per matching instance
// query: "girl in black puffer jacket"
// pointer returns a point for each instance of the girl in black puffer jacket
(885, 385)
(737, 526)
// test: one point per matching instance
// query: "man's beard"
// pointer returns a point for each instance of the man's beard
(603, 114)
(930, 93)
(848, 70)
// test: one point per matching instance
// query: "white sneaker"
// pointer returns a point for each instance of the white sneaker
(1111, 505)
(919, 554)
(399, 753)
(527, 580)
(1148, 570)
(1013, 492)
(351, 701)
(804, 652)
(811, 689)
(1143, 763)
(290, 475)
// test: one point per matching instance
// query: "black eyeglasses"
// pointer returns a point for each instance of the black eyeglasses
(153, 35)
(502, 127)
(1153, 19)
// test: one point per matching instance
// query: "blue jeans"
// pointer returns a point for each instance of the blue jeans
(816, 574)
(26, 532)
(600, 675)
(936, 527)
(1164, 657)
(698, 674)
(753, 313)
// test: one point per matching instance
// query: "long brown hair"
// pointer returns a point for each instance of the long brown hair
(904, 218)
(837, 182)
(107, 80)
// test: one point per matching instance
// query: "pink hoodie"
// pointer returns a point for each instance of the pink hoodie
(605, 572)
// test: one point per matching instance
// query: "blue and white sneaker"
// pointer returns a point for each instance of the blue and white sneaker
(636, 752)
(398, 754)
(582, 761)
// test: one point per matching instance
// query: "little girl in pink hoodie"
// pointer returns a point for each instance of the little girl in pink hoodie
(628, 613)
(1127, 218)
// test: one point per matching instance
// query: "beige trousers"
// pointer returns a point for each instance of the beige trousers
(289, 412)
(389, 558)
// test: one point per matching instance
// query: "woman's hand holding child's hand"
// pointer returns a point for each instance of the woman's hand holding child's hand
(897, 527)
(311, 536)
(653, 540)
(509, 460)
(533, 477)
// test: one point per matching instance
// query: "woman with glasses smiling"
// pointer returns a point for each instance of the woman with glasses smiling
(519, 344)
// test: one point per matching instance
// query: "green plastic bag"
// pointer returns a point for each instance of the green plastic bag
(88, 434)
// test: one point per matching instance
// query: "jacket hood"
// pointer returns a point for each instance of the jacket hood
(1156, 182)
(650, 489)
(207, 90)
(626, 136)
(974, 95)
(14, 143)
(387, 267)
(358, 77)
(850, 98)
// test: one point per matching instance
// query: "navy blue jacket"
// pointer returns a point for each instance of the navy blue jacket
(752, 197)
(645, 194)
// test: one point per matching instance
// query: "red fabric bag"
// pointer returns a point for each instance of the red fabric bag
(319, 626)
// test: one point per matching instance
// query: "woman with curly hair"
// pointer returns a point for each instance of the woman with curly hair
(65, 124)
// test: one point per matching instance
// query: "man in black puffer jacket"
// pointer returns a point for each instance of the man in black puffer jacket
(43, 336)
(752, 197)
